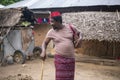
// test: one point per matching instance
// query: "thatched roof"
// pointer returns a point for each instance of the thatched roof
(96, 25)
(13, 18)
(9, 17)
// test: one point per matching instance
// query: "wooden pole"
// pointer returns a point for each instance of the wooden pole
(42, 69)
(114, 49)
(114, 41)
(118, 14)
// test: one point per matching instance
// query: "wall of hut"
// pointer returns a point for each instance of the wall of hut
(40, 32)
(103, 49)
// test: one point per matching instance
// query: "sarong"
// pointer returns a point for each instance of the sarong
(65, 68)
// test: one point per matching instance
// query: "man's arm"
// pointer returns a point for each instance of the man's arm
(79, 40)
(44, 47)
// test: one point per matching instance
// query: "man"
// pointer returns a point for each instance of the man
(62, 37)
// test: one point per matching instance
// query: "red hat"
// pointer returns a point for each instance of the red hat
(55, 13)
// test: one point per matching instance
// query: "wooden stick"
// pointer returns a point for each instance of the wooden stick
(42, 69)
(118, 14)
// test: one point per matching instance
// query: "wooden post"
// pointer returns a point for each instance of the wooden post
(114, 43)
(114, 49)
(42, 69)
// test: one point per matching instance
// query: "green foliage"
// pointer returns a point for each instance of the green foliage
(7, 2)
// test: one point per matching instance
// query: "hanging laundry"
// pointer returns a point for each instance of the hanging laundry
(39, 20)
(45, 20)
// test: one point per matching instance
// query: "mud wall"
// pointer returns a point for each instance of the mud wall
(103, 49)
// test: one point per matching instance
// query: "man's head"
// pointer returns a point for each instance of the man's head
(55, 19)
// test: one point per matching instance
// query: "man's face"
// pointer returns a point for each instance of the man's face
(53, 23)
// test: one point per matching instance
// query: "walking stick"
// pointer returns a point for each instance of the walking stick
(42, 67)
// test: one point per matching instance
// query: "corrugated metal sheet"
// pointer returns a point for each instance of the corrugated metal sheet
(96, 2)
(24, 3)
(34, 4)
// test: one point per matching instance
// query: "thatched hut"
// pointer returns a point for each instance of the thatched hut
(101, 32)
(16, 38)
(8, 19)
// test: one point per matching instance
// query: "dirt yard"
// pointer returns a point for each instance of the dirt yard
(84, 71)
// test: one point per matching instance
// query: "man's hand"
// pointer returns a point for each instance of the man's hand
(44, 46)
(43, 56)
(77, 42)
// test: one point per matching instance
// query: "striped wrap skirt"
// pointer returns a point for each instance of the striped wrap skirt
(65, 68)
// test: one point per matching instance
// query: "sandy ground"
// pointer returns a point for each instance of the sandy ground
(84, 71)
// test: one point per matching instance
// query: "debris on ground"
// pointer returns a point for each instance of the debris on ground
(17, 77)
